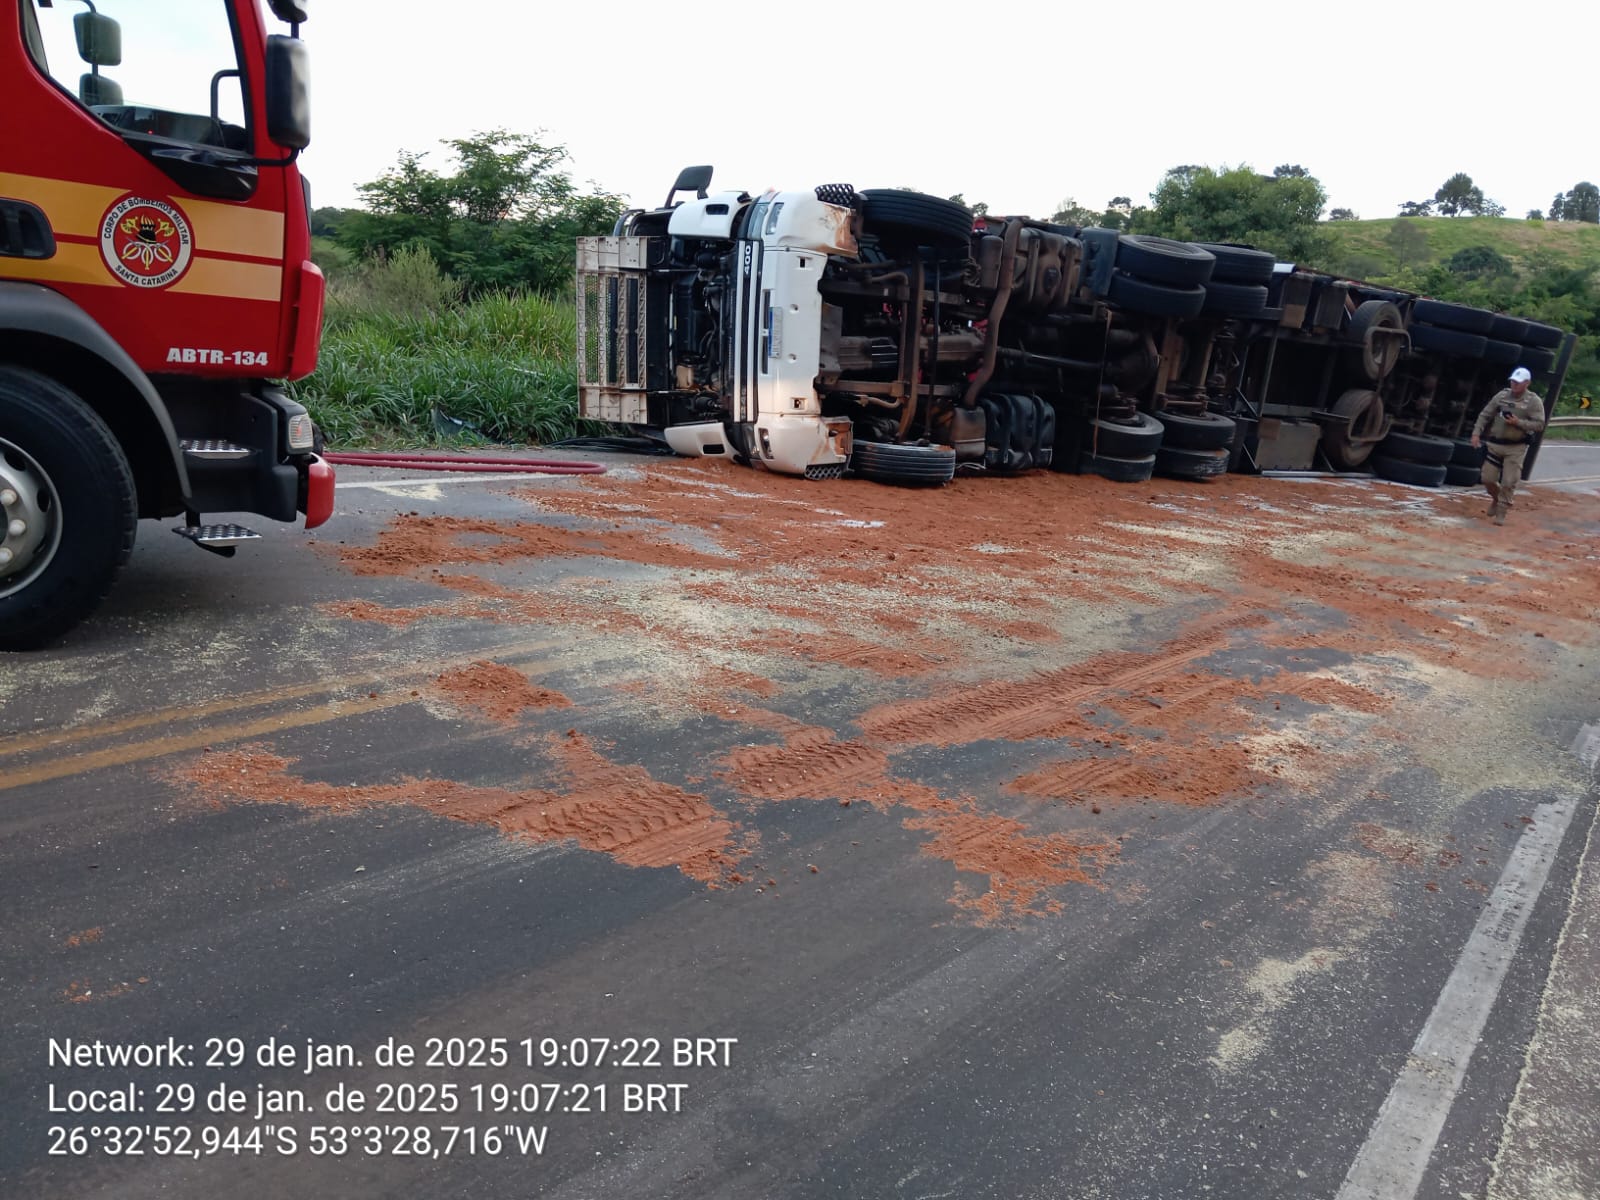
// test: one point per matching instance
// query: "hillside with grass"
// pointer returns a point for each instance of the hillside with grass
(1374, 249)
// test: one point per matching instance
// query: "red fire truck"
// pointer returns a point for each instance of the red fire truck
(155, 280)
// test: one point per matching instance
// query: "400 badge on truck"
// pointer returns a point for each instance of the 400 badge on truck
(155, 276)
(891, 334)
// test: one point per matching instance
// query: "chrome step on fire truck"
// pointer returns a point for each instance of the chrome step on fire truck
(155, 278)
(891, 334)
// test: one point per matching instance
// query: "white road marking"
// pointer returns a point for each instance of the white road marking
(444, 477)
(1391, 1163)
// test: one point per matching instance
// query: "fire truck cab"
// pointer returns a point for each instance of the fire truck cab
(155, 285)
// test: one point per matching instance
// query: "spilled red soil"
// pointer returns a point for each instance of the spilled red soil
(873, 579)
(499, 692)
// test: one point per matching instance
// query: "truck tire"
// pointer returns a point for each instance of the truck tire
(1453, 316)
(1363, 413)
(1509, 329)
(1118, 470)
(1546, 336)
(1421, 448)
(1162, 260)
(1448, 341)
(1234, 299)
(1466, 454)
(1403, 470)
(1506, 354)
(1239, 264)
(1375, 356)
(1138, 438)
(918, 219)
(884, 462)
(1156, 299)
(1457, 475)
(1202, 431)
(1182, 463)
(75, 498)
(1536, 359)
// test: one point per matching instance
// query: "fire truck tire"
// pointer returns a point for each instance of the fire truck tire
(1509, 329)
(1537, 359)
(1374, 356)
(1118, 470)
(1234, 299)
(1191, 464)
(76, 500)
(1403, 470)
(1448, 341)
(1546, 336)
(1156, 299)
(1200, 431)
(1162, 260)
(1453, 316)
(1137, 438)
(897, 216)
(1457, 475)
(884, 462)
(1466, 454)
(1363, 413)
(1240, 264)
(1421, 448)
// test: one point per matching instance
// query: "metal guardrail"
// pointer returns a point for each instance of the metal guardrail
(1573, 423)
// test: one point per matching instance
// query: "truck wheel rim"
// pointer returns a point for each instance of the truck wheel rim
(30, 519)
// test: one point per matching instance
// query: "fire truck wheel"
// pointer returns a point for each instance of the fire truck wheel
(1155, 299)
(1198, 431)
(1162, 260)
(70, 509)
(1135, 438)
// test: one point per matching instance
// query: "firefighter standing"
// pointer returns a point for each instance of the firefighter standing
(1512, 417)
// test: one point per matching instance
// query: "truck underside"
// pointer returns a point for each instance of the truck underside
(891, 334)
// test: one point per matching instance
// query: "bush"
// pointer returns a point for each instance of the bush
(407, 283)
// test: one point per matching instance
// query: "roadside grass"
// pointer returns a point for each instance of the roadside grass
(1553, 243)
(406, 362)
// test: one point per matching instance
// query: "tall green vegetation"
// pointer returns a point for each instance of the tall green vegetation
(1277, 212)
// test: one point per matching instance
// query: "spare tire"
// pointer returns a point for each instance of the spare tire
(1403, 470)
(1418, 447)
(1162, 260)
(1362, 410)
(918, 219)
(1124, 439)
(1201, 431)
(1376, 355)
(1118, 470)
(1239, 264)
(1453, 316)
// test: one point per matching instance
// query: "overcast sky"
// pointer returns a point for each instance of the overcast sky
(1019, 105)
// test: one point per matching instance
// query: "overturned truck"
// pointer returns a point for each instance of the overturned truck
(893, 335)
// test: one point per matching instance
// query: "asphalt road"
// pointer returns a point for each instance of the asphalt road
(1144, 998)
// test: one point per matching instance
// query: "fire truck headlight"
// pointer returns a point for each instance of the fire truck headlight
(300, 432)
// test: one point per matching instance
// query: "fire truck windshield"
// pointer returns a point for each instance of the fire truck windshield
(173, 73)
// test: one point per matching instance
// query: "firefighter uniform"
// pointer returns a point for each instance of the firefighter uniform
(1507, 444)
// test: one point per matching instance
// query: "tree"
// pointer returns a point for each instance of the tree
(1409, 243)
(1290, 171)
(1343, 214)
(1070, 212)
(1458, 196)
(1417, 208)
(1535, 215)
(980, 209)
(1582, 203)
(1478, 262)
(1234, 204)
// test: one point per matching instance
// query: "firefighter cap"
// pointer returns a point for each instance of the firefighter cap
(1521, 375)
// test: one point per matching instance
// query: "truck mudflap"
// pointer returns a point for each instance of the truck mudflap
(318, 505)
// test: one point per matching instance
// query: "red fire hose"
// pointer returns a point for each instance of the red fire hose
(420, 461)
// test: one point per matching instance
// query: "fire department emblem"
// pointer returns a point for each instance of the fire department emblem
(145, 242)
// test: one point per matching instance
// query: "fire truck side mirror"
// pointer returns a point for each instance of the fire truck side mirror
(290, 12)
(288, 91)
(98, 90)
(99, 39)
